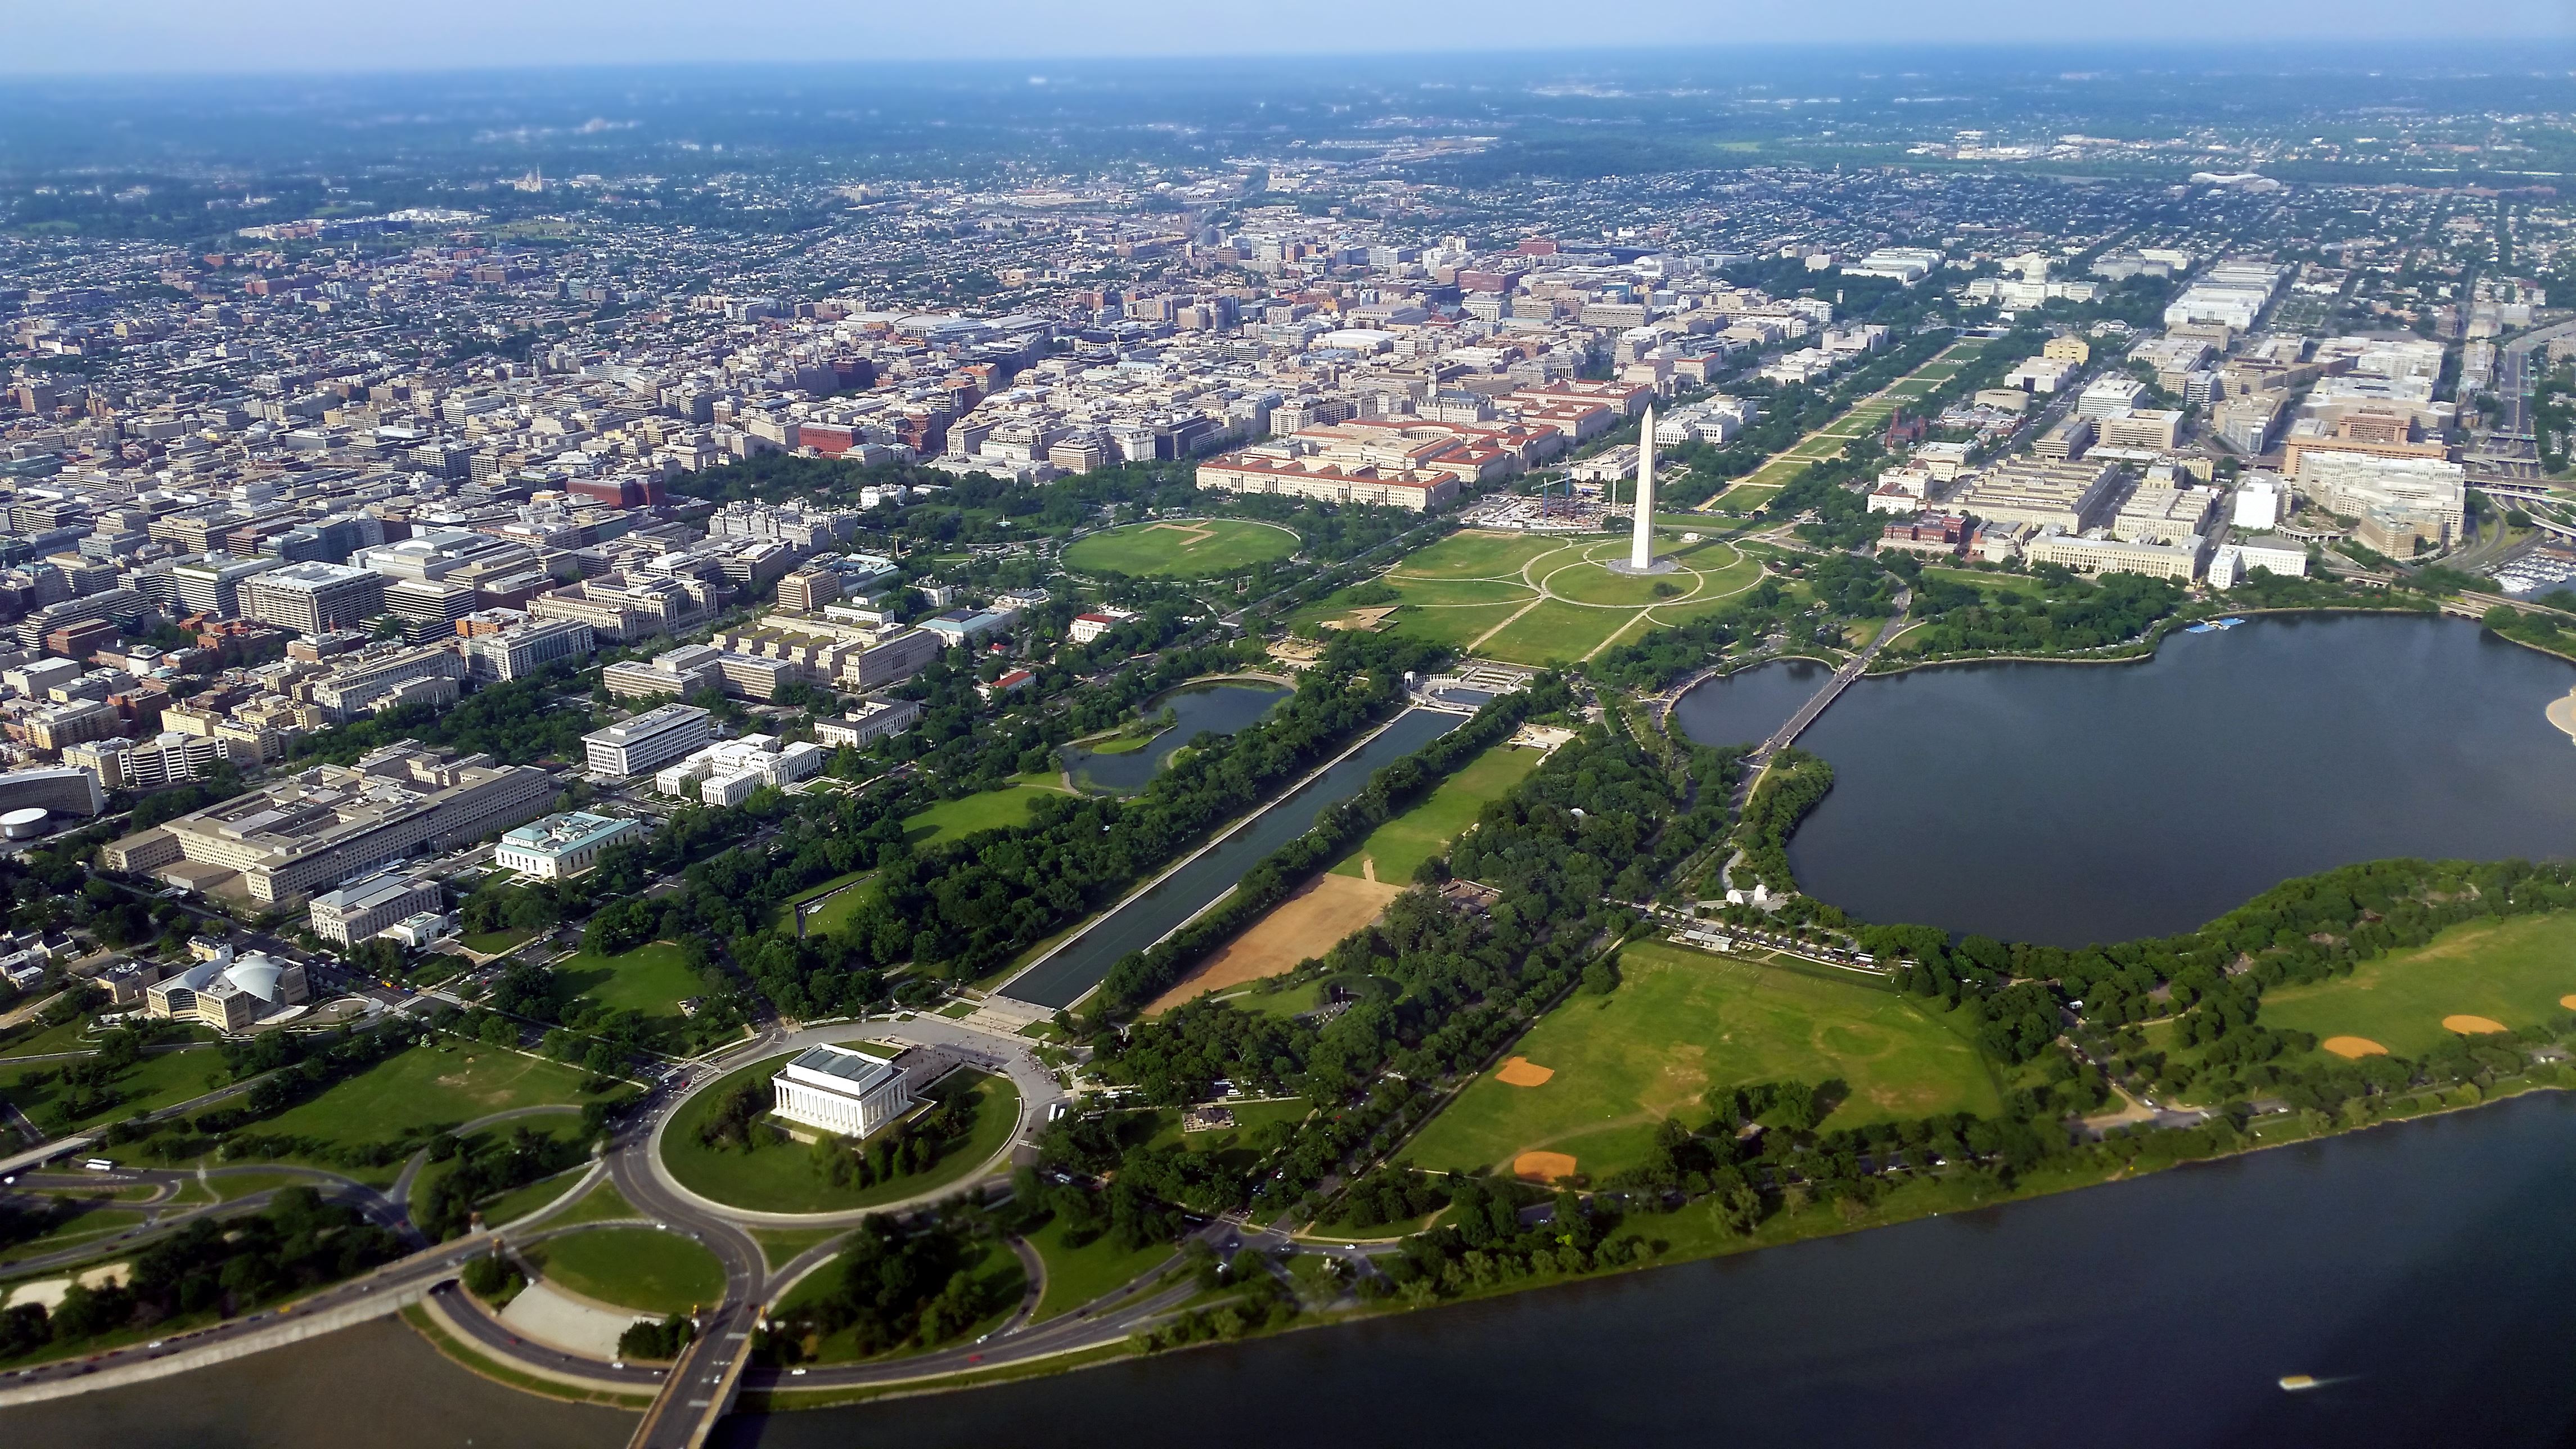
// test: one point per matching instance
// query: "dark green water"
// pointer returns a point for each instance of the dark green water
(1199, 709)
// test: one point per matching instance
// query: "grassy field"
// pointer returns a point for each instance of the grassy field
(1400, 846)
(494, 943)
(2514, 971)
(1763, 484)
(781, 1176)
(1992, 583)
(429, 1089)
(155, 1082)
(517, 1203)
(653, 979)
(1075, 1276)
(992, 810)
(1536, 600)
(645, 1269)
(825, 918)
(34, 1039)
(1474, 555)
(781, 1246)
(1682, 1022)
(1197, 549)
(98, 1225)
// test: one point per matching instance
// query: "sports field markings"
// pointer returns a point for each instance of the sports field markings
(1192, 534)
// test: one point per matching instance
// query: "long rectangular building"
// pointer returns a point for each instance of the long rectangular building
(1328, 482)
(332, 823)
(2070, 496)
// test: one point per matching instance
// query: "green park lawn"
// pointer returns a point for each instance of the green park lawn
(1992, 583)
(1401, 845)
(992, 810)
(430, 1089)
(1195, 549)
(2515, 971)
(1555, 632)
(828, 917)
(1682, 1022)
(654, 979)
(782, 1246)
(493, 943)
(1076, 1276)
(1238, 1140)
(35, 1039)
(781, 1175)
(603, 1203)
(518, 1202)
(156, 1081)
(88, 1227)
(646, 1269)
(1474, 555)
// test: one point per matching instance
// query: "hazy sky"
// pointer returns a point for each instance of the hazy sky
(273, 35)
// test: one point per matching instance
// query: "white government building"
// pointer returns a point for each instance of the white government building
(852, 1090)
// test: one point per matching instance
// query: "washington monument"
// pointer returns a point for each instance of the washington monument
(1641, 552)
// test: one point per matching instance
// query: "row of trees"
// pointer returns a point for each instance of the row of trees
(2068, 613)
(1795, 784)
(1141, 976)
(210, 1268)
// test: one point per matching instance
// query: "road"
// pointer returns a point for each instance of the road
(1853, 668)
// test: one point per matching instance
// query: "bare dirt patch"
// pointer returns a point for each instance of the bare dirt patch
(1192, 535)
(2472, 1025)
(1306, 924)
(2353, 1047)
(1542, 1166)
(1522, 1072)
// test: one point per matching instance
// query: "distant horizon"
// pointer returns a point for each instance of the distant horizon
(168, 38)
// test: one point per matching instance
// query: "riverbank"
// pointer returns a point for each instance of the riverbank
(2142, 649)
(1685, 1235)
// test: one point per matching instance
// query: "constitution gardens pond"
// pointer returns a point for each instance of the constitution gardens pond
(2075, 803)
(1127, 763)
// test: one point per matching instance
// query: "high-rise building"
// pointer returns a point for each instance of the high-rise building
(315, 598)
(212, 584)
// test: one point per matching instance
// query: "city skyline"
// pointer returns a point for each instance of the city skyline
(160, 36)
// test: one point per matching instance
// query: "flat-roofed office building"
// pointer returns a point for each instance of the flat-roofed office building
(648, 741)
(315, 598)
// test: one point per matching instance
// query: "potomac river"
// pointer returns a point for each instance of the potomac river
(2074, 803)
(2421, 1269)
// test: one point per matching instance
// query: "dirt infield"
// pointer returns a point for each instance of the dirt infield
(1192, 534)
(2472, 1025)
(2568, 1001)
(1522, 1072)
(1306, 924)
(1542, 1166)
(2354, 1047)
